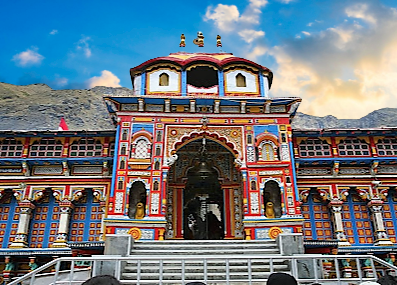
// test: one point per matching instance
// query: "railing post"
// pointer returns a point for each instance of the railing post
(205, 270)
(227, 272)
(249, 263)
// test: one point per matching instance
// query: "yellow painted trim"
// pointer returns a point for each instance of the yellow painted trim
(274, 221)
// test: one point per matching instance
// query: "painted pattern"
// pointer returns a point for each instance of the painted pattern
(8, 220)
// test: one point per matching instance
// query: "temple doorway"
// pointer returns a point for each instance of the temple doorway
(204, 194)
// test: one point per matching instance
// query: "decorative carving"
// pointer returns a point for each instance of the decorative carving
(155, 203)
(199, 40)
(254, 202)
(250, 154)
(314, 171)
(218, 41)
(170, 160)
(352, 171)
(118, 208)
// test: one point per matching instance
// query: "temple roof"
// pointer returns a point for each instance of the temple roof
(183, 59)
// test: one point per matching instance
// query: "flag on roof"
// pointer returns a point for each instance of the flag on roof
(62, 125)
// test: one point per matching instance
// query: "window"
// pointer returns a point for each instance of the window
(46, 148)
(120, 185)
(158, 136)
(158, 151)
(240, 80)
(164, 79)
(314, 147)
(253, 185)
(124, 135)
(86, 147)
(387, 147)
(11, 148)
(123, 150)
(141, 149)
(111, 149)
(249, 139)
(353, 147)
(156, 185)
(267, 151)
(157, 165)
(122, 164)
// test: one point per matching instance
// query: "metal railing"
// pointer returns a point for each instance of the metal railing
(224, 269)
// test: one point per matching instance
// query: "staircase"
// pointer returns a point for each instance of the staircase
(225, 256)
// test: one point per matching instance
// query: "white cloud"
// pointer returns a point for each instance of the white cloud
(83, 45)
(28, 57)
(107, 78)
(224, 16)
(256, 52)
(54, 32)
(360, 11)
(61, 81)
(286, 1)
(306, 33)
(310, 24)
(250, 35)
(227, 17)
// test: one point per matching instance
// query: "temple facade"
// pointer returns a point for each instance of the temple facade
(200, 150)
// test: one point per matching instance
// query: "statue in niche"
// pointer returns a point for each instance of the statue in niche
(137, 200)
(140, 211)
(269, 211)
(272, 194)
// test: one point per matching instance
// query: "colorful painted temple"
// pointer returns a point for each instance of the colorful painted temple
(200, 150)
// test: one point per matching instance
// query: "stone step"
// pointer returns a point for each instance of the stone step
(210, 268)
(204, 251)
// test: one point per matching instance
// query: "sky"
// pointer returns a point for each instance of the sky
(339, 56)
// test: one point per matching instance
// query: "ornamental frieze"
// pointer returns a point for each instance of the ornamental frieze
(175, 135)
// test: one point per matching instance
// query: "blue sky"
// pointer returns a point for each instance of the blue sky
(339, 56)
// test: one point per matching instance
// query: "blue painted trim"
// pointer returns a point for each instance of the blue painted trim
(184, 83)
(291, 151)
(88, 220)
(221, 81)
(262, 87)
(245, 175)
(353, 220)
(115, 160)
(143, 83)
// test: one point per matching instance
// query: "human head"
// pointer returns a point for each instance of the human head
(281, 278)
(102, 280)
(387, 280)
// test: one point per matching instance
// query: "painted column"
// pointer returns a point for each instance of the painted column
(66, 208)
(103, 227)
(381, 237)
(221, 86)
(229, 212)
(25, 212)
(336, 210)
(184, 83)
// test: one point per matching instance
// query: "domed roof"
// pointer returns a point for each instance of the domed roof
(183, 59)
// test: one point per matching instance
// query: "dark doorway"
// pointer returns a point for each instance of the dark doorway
(202, 76)
(203, 200)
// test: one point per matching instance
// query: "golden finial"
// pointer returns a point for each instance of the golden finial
(182, 44)
(218, 41)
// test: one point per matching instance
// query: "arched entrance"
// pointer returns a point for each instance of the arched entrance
(204, 194)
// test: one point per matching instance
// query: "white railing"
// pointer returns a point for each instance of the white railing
(224, 269)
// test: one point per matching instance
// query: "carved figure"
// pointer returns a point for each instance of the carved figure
(183, 43)
(140, 211)
(269, 212)
(199, 40)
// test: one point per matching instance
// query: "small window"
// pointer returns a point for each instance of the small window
(120, 185)
(124, 135)
(157, 165)
(158, 151)
(156, 185)
(240, 80)
(122, 164)
(164, 79)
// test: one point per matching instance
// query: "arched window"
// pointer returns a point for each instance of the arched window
(164, 79)
(123, 150)
(158, 136)
(120, 185)
(86, 147)
(240, 80)
(353, 147)
(156, 185)
(142, 149)
(124, 135)
(157, 165)
(253, 185)
(272, 193)
(158, 151)
(122, 164)
(314, 147)
(11, 148)
(111, 149)
(387, 147)
(268, 151)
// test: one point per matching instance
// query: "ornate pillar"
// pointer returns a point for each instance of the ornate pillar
(381, 237)
(336, 210)
(66, 208)
(103, 228)
(25, 212)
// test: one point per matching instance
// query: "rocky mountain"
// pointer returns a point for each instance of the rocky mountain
(386, 117)
(37, 107)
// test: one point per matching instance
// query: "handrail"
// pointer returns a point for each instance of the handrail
(293, 260)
